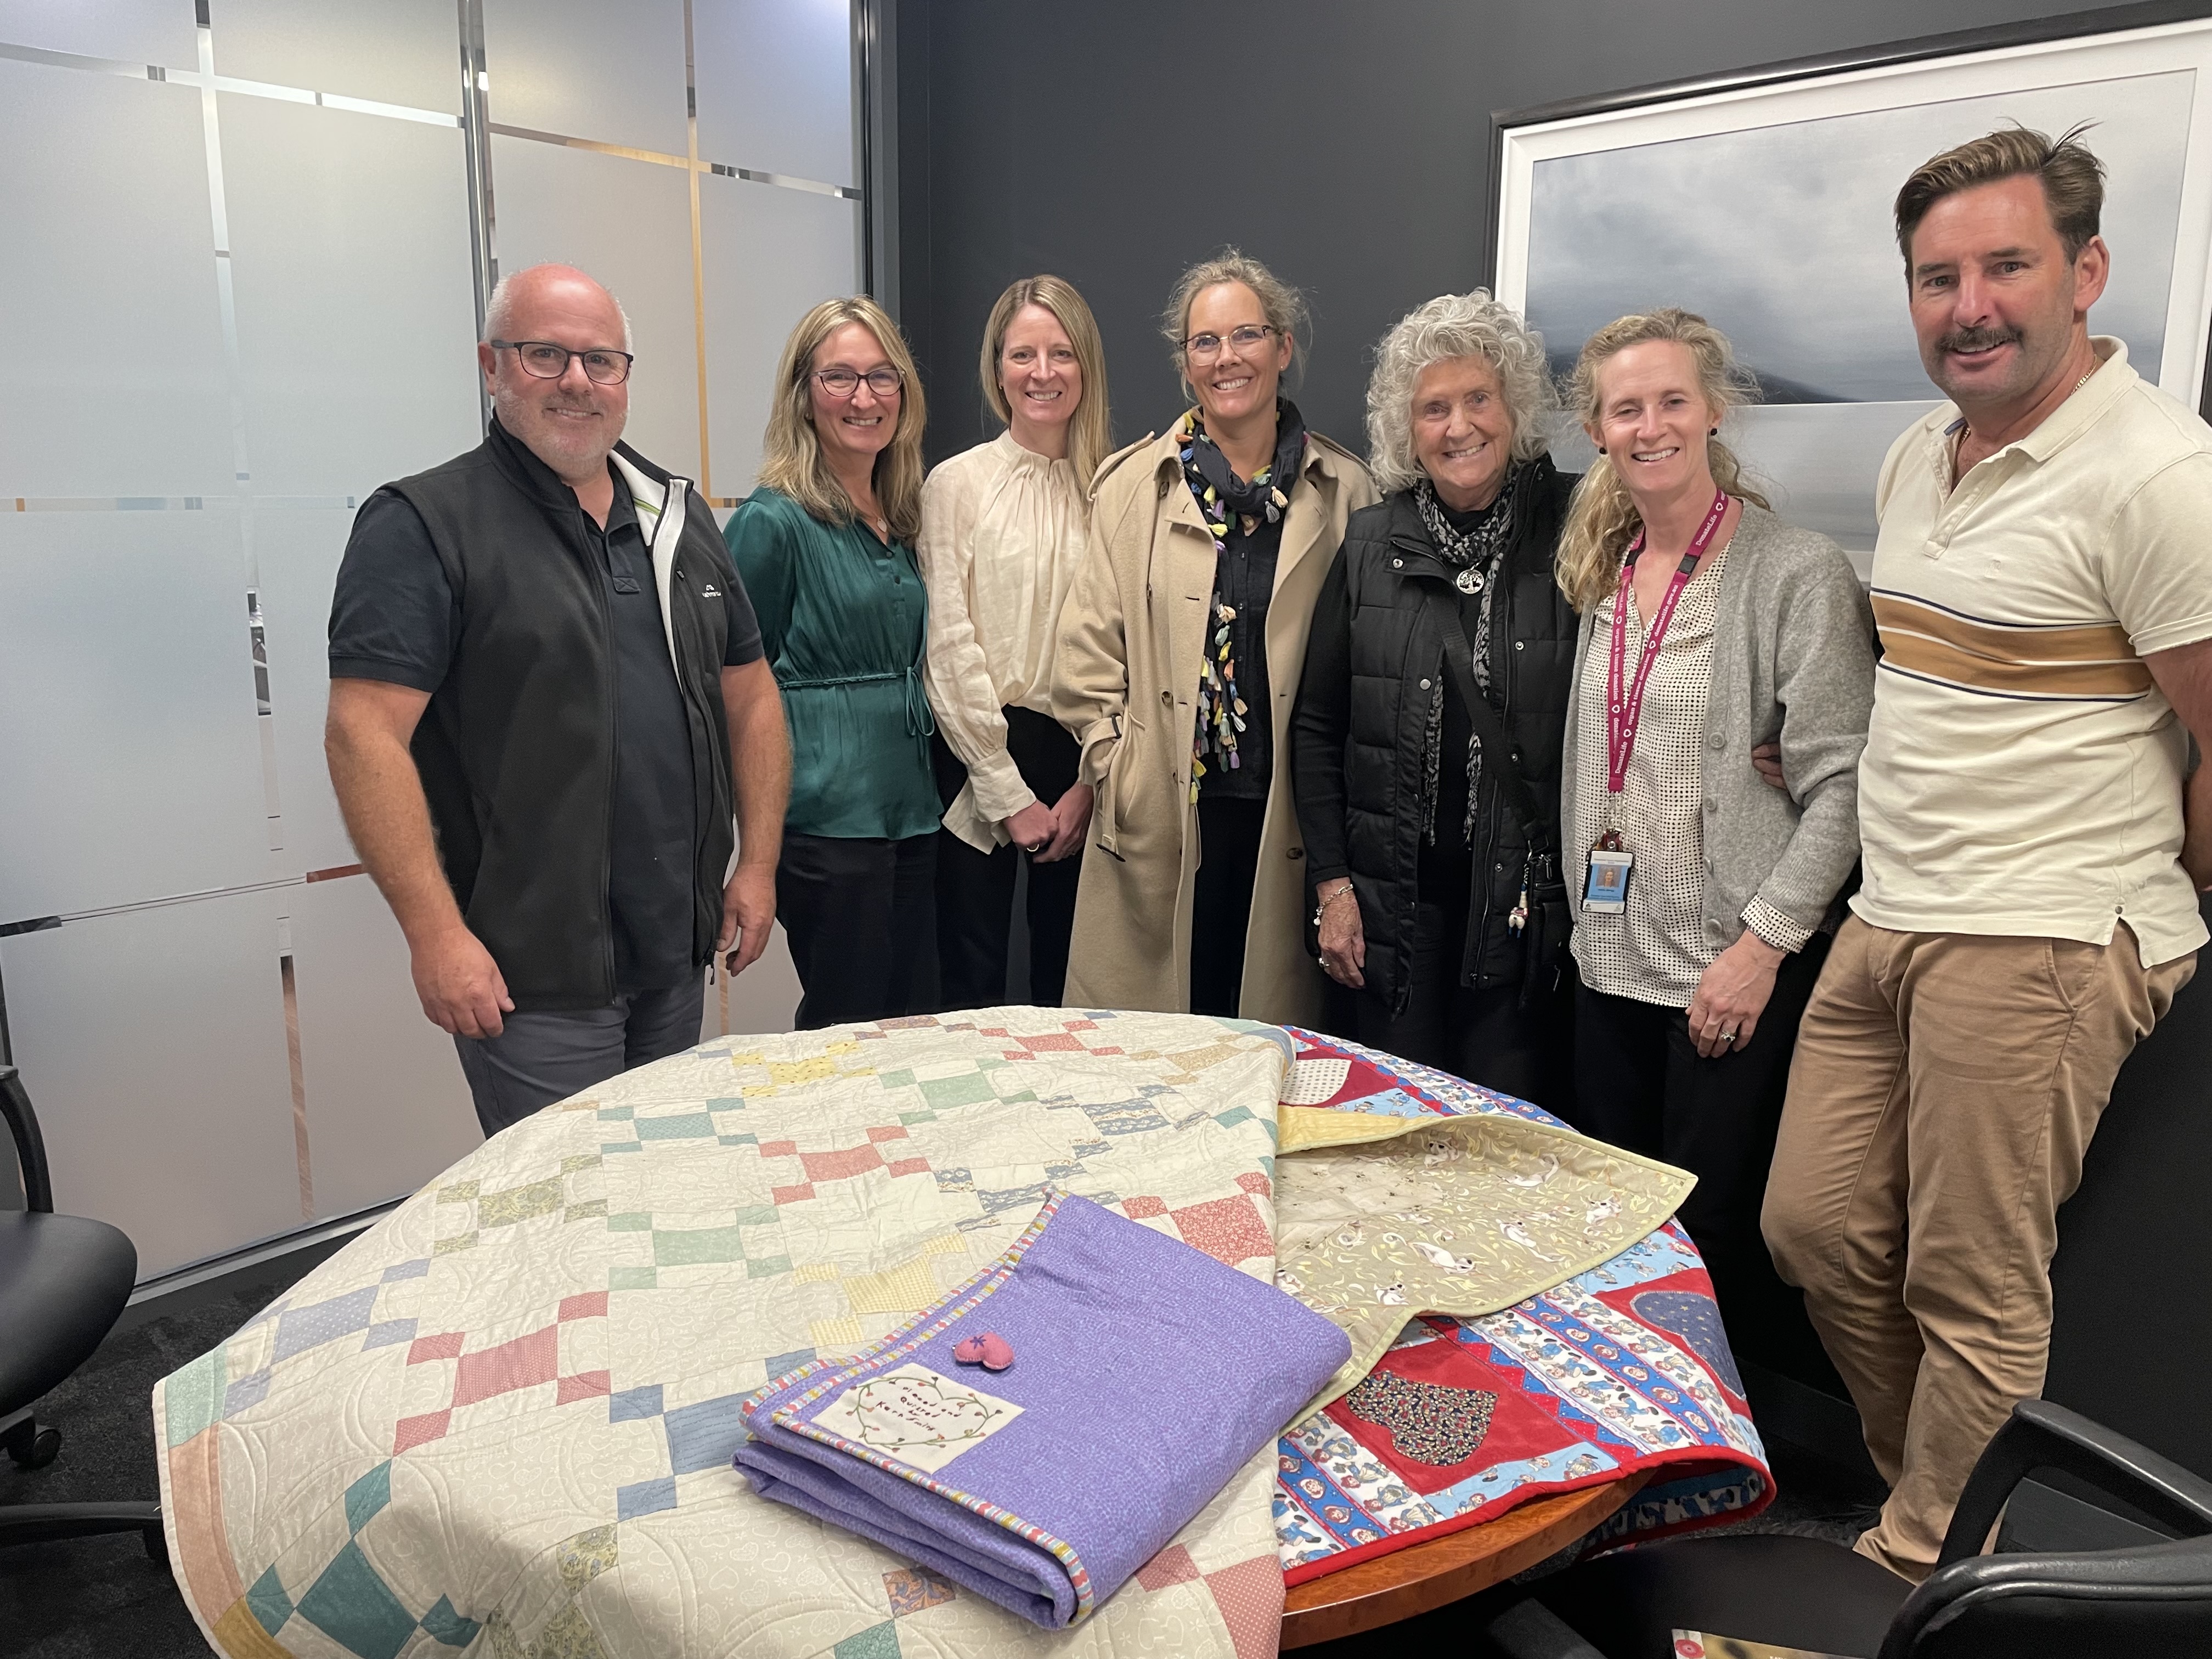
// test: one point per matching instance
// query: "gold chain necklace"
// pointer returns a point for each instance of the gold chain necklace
(1967, 431)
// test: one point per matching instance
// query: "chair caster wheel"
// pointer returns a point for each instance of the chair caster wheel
(36, 1451)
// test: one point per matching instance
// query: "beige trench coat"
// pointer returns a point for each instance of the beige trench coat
(1132, 642)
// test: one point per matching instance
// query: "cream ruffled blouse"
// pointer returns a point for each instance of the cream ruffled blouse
(1002, 531)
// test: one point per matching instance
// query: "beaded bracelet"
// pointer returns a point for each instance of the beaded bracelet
(1331, 899)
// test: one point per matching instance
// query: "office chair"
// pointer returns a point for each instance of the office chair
(62, 1281)
(1805, 1593)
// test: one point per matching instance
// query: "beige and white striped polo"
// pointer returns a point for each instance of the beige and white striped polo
(2023, 771)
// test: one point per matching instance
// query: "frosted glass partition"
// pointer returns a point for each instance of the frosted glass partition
(776, 92)
(126, 687)
(764, 998)
(621, 221)
(752, 302)
(117, 384)
(391, 52)
(241, 307)
(357, 327)
(385, 1102)
(133, 31)
(152, 1043)
(586, 69)
(297, 549)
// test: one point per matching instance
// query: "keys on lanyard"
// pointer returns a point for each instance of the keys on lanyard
(1610, 861)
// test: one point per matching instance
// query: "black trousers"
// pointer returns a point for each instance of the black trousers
(1221, 900)
(1641, 1083)
(976, 890)
(1487, 1036)
(862, 914)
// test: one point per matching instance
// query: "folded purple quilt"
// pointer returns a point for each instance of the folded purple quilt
(1145, 1375)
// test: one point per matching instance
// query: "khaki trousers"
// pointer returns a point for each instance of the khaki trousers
(1944, 1093)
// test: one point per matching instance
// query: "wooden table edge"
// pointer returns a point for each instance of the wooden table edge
(1411, 1581)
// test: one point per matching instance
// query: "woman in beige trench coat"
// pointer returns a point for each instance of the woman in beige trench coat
(1207, 549)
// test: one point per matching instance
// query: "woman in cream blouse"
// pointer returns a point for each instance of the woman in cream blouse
(1003, 528)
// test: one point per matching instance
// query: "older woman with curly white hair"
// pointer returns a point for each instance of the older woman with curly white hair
(1425, 744)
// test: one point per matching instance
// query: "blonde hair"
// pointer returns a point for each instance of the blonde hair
(1448, 327)
(1283, 306)
(1602, 516)
(1089, 432)
(791, 453)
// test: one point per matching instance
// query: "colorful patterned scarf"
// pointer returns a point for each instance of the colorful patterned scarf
(1219, 492)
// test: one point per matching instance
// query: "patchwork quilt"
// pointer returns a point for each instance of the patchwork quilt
(1620, 1368)
(501, 1422)
(1463, 1215)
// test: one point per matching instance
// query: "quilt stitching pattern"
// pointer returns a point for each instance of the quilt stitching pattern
(576, 1313)
(1621, 1367)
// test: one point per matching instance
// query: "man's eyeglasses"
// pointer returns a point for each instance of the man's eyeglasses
(883, 380)
(1205, 347)
(548, 361)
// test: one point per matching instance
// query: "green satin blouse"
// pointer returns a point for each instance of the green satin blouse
(842, 620)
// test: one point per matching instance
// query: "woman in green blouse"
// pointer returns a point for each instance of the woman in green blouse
(825, 548)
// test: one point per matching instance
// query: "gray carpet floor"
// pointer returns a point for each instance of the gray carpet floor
(102, 1598)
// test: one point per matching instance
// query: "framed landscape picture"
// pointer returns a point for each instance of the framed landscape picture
(1763, 203)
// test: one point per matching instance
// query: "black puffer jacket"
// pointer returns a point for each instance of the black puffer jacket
(1357, 736)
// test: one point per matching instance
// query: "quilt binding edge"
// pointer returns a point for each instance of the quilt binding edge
(907, 1338)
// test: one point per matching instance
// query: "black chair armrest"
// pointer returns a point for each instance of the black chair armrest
(30, 1144)
(2042, 1436)
(1529, 1629)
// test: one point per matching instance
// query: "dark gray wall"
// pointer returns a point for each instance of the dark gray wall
(1346, 145)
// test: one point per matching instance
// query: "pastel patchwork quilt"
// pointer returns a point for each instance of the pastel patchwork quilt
(501, 1422)
(1619, 1369)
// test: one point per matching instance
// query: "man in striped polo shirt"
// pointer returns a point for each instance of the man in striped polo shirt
(2033, 845)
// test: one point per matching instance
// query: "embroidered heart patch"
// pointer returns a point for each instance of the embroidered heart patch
(990, 1351)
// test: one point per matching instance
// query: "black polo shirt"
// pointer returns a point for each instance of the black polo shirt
(395, 617)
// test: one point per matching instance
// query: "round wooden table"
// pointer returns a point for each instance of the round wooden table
(1424, 1576)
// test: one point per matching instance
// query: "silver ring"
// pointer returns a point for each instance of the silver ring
(1729, 1034)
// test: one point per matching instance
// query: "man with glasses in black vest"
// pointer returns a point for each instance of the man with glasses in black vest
(548, 701)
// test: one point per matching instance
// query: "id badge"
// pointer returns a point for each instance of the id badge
(1606, 892)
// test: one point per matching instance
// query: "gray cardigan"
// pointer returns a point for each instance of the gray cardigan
(1793, 657)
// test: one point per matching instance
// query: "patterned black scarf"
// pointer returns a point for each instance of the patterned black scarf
(1478, 553)
(1219, 492)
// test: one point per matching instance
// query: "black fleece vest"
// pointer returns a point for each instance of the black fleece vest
(1397, 647)
(516, 749)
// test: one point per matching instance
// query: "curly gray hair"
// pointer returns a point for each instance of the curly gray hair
(1451, 325)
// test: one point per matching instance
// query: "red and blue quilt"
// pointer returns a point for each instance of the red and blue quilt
(1622, 1369)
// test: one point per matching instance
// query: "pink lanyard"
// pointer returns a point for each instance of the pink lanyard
(1623, 712)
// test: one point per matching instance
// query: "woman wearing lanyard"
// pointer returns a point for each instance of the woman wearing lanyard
(824, 546)
(1705, 899)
